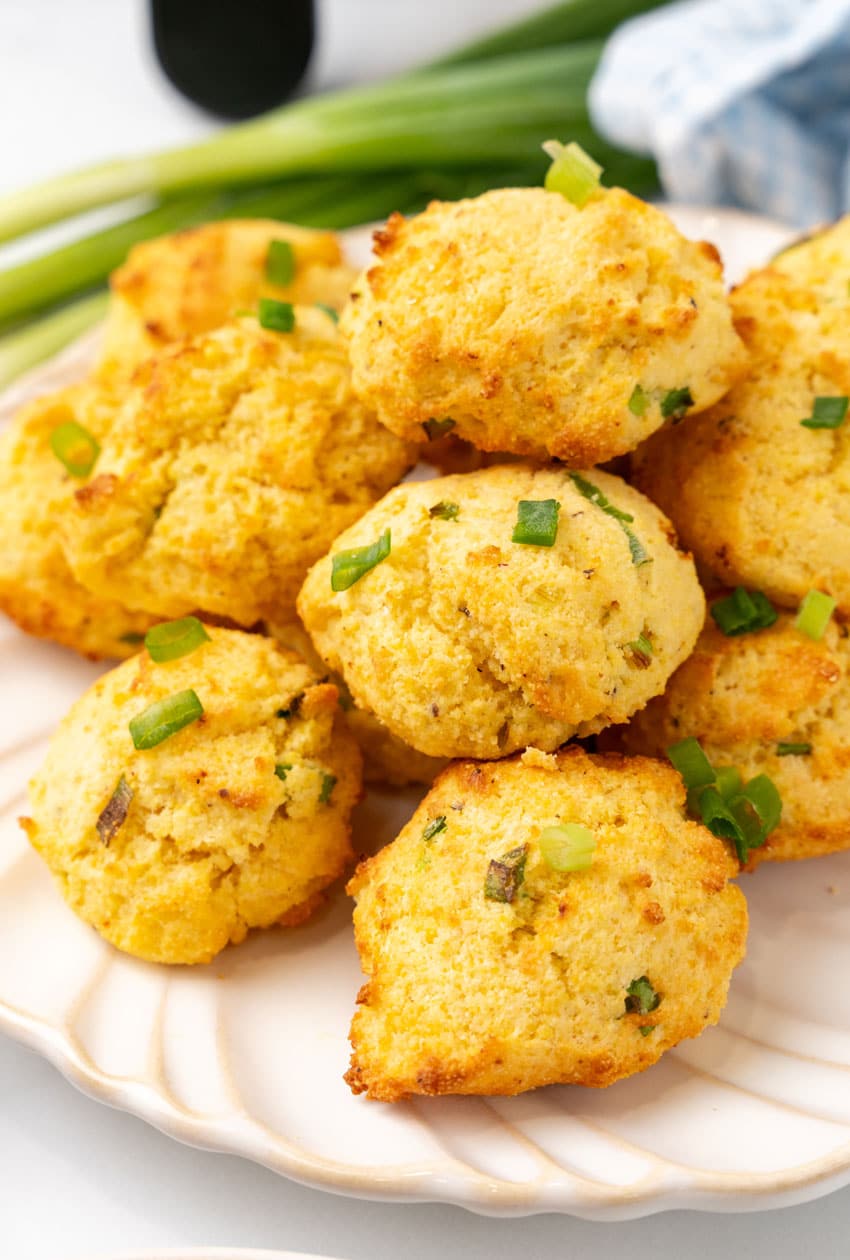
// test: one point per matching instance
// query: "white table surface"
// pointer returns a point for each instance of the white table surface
(77, 1180)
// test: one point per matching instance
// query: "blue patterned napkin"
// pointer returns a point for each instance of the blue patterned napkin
(741, 102)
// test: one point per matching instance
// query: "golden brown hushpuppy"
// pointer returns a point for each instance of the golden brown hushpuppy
(193, 281)
(820, 262)
(749, 697)
(234, 461)
(490, 972)
(238, 820)
(536, 327)
(757, 495)
(37, 588)
(466, 643)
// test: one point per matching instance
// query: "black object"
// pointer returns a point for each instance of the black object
(234, 57)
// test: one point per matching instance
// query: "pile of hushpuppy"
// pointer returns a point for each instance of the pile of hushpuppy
(222, 502)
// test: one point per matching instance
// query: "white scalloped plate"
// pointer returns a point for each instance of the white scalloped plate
(247, 1055)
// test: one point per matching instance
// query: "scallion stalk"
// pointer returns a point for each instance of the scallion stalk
(26, 347)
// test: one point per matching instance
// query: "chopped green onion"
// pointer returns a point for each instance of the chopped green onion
(691, 762)
(675, 403)
(815, 612)
(435, 826)
(506, 874)
(75, 447)
(328, 310)
(827, 413)
(567, 847)
(743, 612)
(646, 1029)
(164, 718)
(641, 997)
(282, 769)
(728, 782)
(328, 785)
(437, 428)
(132, 638)
(639, 401)
(789, 749)
(641, 650)
(276, 316)
(761, 792)
(586, 488)
(537, 522)
(114, 813)
(573, 173)
(173, 639)
(280, 262)
(746, 818)
(445, 510)
(718, 817)
(348, 567)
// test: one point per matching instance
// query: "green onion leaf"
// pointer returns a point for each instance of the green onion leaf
(276, 316)
(729, 781)
(646, 1029)
(675, 403)
(280, 262)
(718, 817)
(348, 567)
(815, 612)
(164, 718)
(573, 173)
(74, 447)
(827, 413)
(641, 997)
(437, 428)
(641, 651)
(329, 311)
(328, 785)
(789, 749)
(444, 511)
(132, 638)
(639, 401)
(435, 826)
(506, 874)
(172, 639)
(567, 847)
(691, 762)
(591, 492)
(282, 769)
(743, 612)
(761, 792)
(537, 522)
(113, 815)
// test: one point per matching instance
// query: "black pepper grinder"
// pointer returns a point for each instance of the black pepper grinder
(235, 58)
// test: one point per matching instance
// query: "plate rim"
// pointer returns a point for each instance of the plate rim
(670, 1186)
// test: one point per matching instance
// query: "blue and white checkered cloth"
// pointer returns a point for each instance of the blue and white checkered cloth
(741, 102)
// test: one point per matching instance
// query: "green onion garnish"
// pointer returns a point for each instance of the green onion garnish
(728, 781)
(641, 997)
(762, 794)
(637, 550)
(743, 612)
(639, 401)
(437, 428)
(276, 316)
(815, 612)
(573, 173)
(114, 813)
(282, 769)
(164, 718)
(691, 762)
(348, 567)
(675, 403)
(646, 1029)
(641, 650)
(132, 638)
(567, 847)
(827, 413)
(444, 511)
(790, 749)
(172, 639)
(506, 874)
(329, 311)
(536, 522)
(435, 826)
(74, 447)
(280, 262)
(328, 785)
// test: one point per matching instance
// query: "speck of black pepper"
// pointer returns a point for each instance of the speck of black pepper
(588, 573)
(435, 709)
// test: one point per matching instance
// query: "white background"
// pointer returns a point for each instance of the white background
(78, 1181)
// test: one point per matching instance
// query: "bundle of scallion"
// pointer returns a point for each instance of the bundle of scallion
(472, 121)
